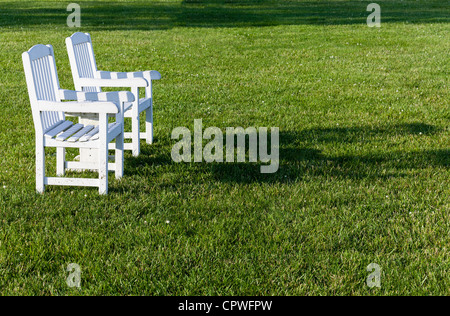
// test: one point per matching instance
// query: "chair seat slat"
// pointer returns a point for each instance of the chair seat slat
(72, 130)
(58, 129)
(79, 134)
(93, 135)
(90, 135)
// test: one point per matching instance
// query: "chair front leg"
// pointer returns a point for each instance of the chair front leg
(149, 113)
(103, 154)
(135, 124)
(119, 150)
(60, 161)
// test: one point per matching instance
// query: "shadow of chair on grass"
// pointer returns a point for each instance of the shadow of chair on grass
(301, 156)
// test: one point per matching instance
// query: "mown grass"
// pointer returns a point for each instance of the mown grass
(364, 148)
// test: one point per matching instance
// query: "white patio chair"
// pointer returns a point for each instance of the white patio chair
(86, 77)
(53, 130)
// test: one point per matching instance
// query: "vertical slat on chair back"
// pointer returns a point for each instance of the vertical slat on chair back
(82, 60)
(43, 84)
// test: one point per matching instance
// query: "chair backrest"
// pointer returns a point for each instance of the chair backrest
(82, 59)
(43, 84)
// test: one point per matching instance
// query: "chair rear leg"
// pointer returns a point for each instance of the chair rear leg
(119, 156)
(149, 125)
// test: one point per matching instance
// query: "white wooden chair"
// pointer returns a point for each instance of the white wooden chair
(87, 78)
(53, 130)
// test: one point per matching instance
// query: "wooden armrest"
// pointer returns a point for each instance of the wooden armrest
(114, 83)
(100, 107)
(114, 96)
(148, 75)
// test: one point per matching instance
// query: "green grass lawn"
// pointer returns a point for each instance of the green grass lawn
(364, 152)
